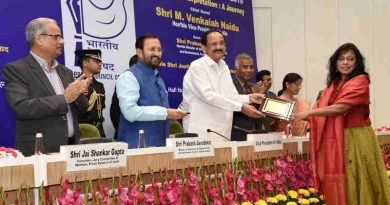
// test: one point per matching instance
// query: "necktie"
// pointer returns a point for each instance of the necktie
(247, 88)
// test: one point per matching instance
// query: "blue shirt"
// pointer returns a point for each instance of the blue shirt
(143, 100)
(127, 88)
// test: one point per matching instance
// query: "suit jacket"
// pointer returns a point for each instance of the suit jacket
(240, 119)
(37, 107)
(115, 113)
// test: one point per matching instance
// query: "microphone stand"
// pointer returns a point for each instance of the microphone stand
(242, 129)
(208, 130)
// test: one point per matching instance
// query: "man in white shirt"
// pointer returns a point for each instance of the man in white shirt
(209, 93)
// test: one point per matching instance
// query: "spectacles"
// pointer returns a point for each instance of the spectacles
(56, 37)
(247, 66)
(159, 50)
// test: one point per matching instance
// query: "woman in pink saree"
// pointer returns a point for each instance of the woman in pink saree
(292, 84)
(348, 166)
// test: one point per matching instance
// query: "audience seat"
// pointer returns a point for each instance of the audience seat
(175, 127)
(88, 131)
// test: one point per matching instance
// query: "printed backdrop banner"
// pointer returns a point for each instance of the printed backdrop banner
(104, 25)
(179, 25)
(112, 26)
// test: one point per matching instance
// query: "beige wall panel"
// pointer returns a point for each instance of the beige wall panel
(262, 18)
(380, 74)
(321, 41)
(288, 52)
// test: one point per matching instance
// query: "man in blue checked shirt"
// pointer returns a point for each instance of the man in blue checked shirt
(143, 98)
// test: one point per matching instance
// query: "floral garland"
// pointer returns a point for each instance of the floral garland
(9, 153)
(382, 129)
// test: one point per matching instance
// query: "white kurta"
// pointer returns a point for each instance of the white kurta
(210, 96)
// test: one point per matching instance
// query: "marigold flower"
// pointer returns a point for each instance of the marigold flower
(313, 190)
(281, 197)
(246, 203)
(388, 173)
(304, 192)
(314, 200)
(272, 200)
(303, 201)
(291, 203)
(260, 202)
(292, 194)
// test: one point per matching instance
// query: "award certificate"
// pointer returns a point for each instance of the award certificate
(277, 108)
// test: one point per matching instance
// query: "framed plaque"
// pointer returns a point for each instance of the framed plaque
(277, 108)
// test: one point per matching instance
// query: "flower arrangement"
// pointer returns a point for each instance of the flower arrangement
(382, 129)
(386, 156)
(9, 153)
(286, 180)
(283, 180)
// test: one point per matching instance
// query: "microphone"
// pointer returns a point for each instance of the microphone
(208, 130)
(242, 129)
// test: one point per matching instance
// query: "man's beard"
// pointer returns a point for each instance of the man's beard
(153, 62)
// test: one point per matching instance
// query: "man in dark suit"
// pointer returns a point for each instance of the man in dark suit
(42, 93)
(263, 84)
(244, 73)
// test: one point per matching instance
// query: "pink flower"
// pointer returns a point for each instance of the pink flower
(216, 202)
(172, 196)
(213, 192)
(194, 199)
(70, 197)
(255, 175)
(149, 195)
(229, 196)
(123, 197)
(134, 192)
(240, 186)
(279, 163)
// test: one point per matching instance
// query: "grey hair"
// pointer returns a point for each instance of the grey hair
(35, 26)
(242, 56)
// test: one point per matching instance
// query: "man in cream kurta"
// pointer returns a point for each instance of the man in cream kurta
(209, 93)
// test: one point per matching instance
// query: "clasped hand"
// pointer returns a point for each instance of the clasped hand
(175, 114)
(251, 111)
(80, 85)
(256, 98)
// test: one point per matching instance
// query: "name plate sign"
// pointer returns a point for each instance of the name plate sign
(192, 147)
(94, 156)
(266, 142)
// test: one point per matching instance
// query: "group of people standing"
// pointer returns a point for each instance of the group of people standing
(292, 84)
(45, 98)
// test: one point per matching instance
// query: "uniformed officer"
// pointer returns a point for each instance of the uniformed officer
(90, 64)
